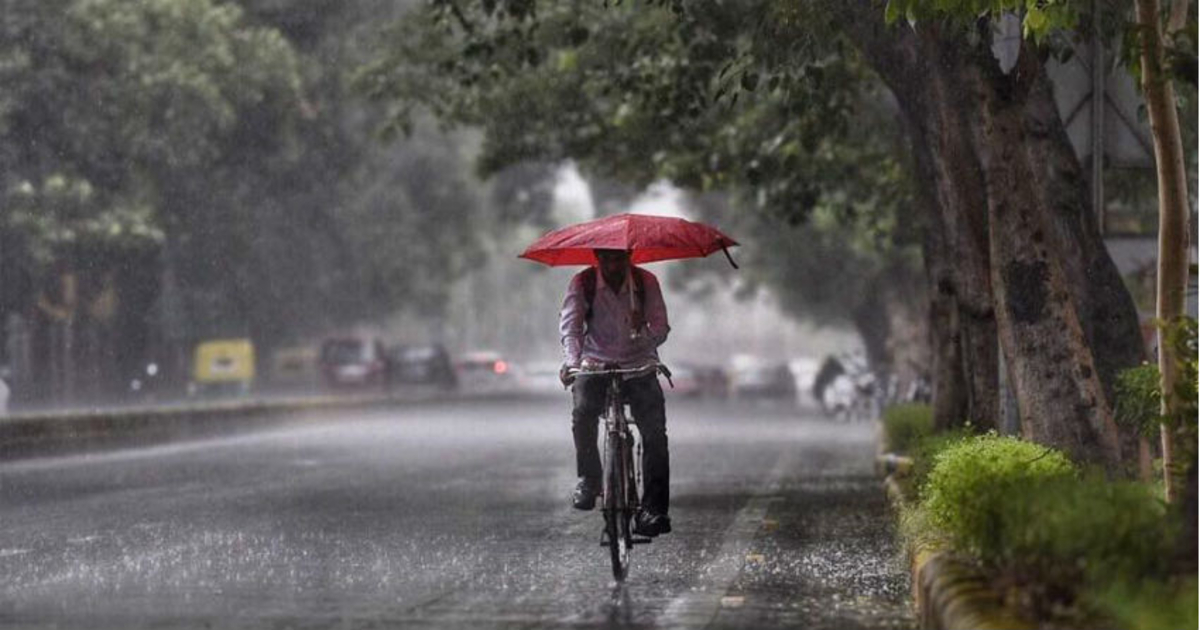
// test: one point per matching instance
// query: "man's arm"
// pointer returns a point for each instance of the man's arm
(571, 322)
(657, 326)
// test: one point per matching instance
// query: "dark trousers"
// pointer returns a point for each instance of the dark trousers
(645, 398)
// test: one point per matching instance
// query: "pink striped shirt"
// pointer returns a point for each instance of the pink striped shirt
(605, 338)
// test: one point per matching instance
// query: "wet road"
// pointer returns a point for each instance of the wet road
(449, 516)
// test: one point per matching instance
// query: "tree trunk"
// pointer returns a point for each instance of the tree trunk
(871, 318)
(949, 395)
(950, 408)
(1051, 366)
(1106, 310)
(1172, 222)
(925, 74)
(942, 112)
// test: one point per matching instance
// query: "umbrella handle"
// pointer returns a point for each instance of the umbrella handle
(727, 255)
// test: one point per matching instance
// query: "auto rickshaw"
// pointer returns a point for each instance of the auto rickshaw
(223, 367)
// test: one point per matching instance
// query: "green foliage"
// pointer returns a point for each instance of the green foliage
(1063, 530)
(1139, 389)
(762, 103)
(924, 454)
(1064, 540)
(917, 530)
(966, 489)
(1182, 336)
(64, 218)
(1150, 605)
(1139, 398)
(218, 138)
(1039, 17)
(905, 425)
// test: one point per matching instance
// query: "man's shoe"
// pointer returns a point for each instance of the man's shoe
(651, 525)
(584, 497)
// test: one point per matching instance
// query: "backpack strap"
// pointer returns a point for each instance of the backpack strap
(589, 288)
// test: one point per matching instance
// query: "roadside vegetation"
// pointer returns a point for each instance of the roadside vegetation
(1061, 542)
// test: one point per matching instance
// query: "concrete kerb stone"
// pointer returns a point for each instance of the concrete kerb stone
(50, 433)
(948, 593)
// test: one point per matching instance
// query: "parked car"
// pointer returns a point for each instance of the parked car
(767, 381)
(486, 370)
(220, 366)
(295, 368)
(353, 362)
(421, 365)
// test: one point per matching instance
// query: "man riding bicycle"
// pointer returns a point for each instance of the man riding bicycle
(614, 315)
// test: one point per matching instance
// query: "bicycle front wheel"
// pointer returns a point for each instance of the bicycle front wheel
(617, 514)
(616, 525)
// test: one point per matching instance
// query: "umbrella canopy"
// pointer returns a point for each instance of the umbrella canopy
(647, 237)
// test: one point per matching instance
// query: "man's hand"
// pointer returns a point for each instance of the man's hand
(566, 376)
(637, 320)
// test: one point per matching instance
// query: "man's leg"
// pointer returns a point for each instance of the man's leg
(645, 398)
(588, 396)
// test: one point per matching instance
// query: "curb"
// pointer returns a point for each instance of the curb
(948, 593)
(952, 595)
(56, 433)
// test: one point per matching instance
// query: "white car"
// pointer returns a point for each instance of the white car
(4, 394)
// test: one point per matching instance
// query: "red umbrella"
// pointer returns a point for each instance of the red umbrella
(647, 237)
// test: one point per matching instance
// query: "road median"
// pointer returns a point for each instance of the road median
(44, 433)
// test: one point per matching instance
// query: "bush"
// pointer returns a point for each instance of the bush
(1151, 606)
(1139, 397)
(924, 453)
(904, 425)
(965, 493)
(1064, 530)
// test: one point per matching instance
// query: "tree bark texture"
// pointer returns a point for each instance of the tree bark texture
(1109, 315)
(1106, 310)
(949, 395)
(1050, 362)
(950, 404)
(924, 72)
(1172, 224)
(1029, 261)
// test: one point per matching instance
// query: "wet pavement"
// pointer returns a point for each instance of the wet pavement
(451, 516)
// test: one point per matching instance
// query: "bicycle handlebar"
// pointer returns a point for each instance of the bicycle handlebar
(649, 367)
(609, 372)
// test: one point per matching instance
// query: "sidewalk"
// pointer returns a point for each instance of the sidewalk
(815, 548)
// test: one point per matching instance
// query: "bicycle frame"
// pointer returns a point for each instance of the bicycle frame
(618, 435)
(622, 473)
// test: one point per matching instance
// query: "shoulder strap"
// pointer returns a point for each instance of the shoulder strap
(589, 288)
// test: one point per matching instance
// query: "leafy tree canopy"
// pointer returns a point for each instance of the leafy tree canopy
(764, 101)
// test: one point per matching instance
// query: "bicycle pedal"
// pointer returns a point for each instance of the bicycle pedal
(642, 541)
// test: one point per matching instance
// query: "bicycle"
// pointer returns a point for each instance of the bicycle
(621, 484)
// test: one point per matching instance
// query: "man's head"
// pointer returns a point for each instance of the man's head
(614, 263)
